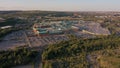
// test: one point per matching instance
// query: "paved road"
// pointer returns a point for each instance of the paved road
(27, 39)
(92, 60)
(38, 60)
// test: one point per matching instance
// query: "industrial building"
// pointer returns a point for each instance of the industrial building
(62, 27)
(41, 29)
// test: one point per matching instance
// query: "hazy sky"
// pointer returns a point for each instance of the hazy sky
(61, 5)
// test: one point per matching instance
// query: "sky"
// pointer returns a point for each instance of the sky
(61, 5)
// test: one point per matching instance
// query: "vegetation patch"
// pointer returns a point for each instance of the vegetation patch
(73, 53)
(19, 56)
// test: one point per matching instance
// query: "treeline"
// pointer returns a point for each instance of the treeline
(36, 13)
(20, 56)
(9, 21)
(72, 53)
(4, 32)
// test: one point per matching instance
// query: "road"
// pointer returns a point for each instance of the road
(38, 60)
(92, 60)
(27, 39)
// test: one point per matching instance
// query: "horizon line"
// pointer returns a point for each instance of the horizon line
(65, 10)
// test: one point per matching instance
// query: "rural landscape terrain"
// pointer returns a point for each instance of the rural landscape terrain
(54, 39)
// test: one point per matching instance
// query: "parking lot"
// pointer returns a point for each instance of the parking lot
(28, 38)
(44, 40)
(12, 40)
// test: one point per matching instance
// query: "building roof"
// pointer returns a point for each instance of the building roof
(5, 27)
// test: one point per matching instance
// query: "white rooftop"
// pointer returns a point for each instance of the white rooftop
(5, 27)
